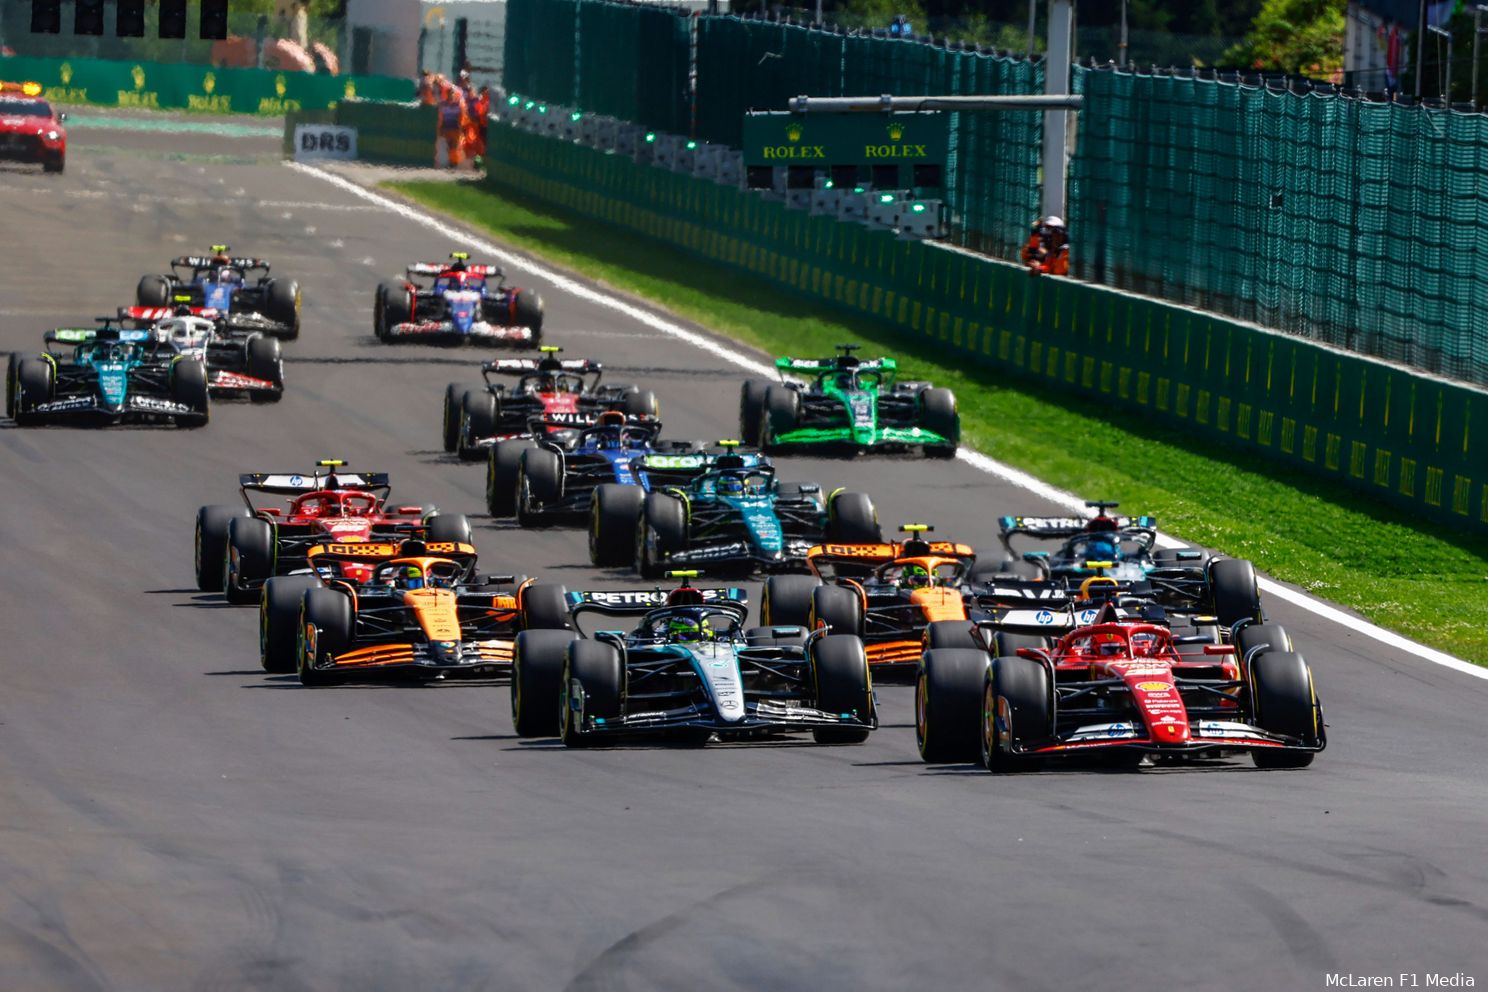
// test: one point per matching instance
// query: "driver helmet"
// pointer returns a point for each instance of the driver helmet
(914, 577)
(611, 430)
(410, 577)
(228, 274)
(730, 485)
(687, 629)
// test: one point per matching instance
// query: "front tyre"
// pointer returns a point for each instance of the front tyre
(1016, 711)
(614, 513)
(662, 532)
(839, 669)
(325, 632)
(537, 681)
(209, 558)
(593, 683)
(250, 559)
(948, 704)
(1284, 701)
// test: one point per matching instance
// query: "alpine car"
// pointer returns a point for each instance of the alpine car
(218, 282)
(113, 375)
(247, 364)
(237, 548)
(737, 517)
(460, 304)
(30, 130)
(373, 611)
(689, 669)
(564, 393)
(850, 403)
(896, 596)
(1119, 552)
(1127, 685)
(565, 476)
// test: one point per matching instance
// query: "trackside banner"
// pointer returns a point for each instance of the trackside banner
(198, 88)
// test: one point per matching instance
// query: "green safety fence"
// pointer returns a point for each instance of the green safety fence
(1417, 441)
(200, 88)
(633, 64)
(540, 53)
(387, 133)
(1356, 224)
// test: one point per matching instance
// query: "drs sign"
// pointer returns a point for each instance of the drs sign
(324, 141)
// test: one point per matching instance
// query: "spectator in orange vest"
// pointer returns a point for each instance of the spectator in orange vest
(452, 124)
(425, 88)
(1047, 250)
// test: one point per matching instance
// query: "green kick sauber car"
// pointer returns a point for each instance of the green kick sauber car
(849, 402)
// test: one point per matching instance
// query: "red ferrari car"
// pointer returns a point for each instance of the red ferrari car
(1128, 685)
(30, 131)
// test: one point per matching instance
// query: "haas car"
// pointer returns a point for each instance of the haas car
(112, 375)
(30, 130)
(688, 669)
(219, 283)
(1130, 682)
(897, 596)
(238, 548)
(244, 363)
(416, 609)
(462, 302)
(850, 403)
(563, 393)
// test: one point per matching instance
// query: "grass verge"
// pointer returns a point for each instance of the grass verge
(1422, 579)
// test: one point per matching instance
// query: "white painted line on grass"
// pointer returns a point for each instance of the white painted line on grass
(975, 459)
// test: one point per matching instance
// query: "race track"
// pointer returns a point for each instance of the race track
(174, 819)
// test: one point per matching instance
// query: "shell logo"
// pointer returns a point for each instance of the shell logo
(66, 73)
(794, 132)
(209, 82)
(138, 74)
(279, 85)
(1153, 686)
(896, 131)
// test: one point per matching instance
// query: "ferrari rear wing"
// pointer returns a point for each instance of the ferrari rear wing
(294, 483)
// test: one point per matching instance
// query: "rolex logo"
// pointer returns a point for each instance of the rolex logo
(794, 132)
(138, 74)
(896, 131)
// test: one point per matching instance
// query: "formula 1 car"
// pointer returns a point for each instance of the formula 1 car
(688, 669)
(218, 282)
(238, 548)
(565, 393)
(850, 402)
(548, 477)
(897, 596)
(247, 364)
(1119, 552)
(30, 130)
(113, 375)
(460, 304)
(1128, 684)
(371, 610)
(737, 517)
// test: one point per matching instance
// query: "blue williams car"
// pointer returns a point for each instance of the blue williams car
(689, 669)
(218, 286)
(112, 375)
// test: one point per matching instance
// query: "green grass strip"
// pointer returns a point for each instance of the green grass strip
(1419, 578)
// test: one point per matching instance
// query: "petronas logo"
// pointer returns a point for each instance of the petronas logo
(279, 86)
(209, 82)
(896, 131)
(66, 73)
(794, 132)
(138, 74)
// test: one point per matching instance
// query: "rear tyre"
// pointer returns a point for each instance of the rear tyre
(1253, 635)
(1006, 644)
(454, 398)
(478, 415)
(839, 667)
(537, 681)
(948, 704)
(265, 360)
(502, 471)
(539, 486)
(1015, 710)
(852, 519)
(453, 527)
(1284, 701)
(324, 632)
(1236, 594)
(545, 607)
(282, 305)
(250, 559)
(838, 608)
(662, 532)
(10, 383)
(153, 291)
(614, 514)
(787, 600)
(188, 384)
(35, 385)
(397, 308)
(278, 620)
(385, 291)
(951, 634)
(938, 413)
(751, 410)
(593, 680)
(527, 311)
(641, 403)
(209, 556)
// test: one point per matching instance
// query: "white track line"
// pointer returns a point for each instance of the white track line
(975, 459)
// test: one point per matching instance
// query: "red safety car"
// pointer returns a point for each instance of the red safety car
(30, 130)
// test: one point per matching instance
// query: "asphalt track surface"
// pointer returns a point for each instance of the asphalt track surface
(174, 819)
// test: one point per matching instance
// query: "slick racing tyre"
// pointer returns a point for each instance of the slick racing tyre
(1284, 701)
(282, 305)
(545, 607)
(210, 544)
(787, 600)
(35, 384)
(852, 519)
(781, 415)
(662, 532)
(451, 527)
(641, 403)
(948, 704)
(1234, 591)
(479, 410)
(838, 609)
(950, 634)
(527, 311)
(539, 486)
(537, 681)
(938, 414)
(188, 385)
(265, 360)
(839, 670)
(593, 684)
(381, 318)
(325, 630)
(751, 410)
(153, 291)
(503, 465)
(1016, 709)
(614, 514)
(454, 405)
(278, 620)
(250, 559)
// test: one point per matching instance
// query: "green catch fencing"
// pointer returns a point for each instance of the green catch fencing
(1417, 441)
(1362, 225)
(199, 88)
(387, 133)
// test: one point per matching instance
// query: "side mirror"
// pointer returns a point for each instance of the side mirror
(1219, 649)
